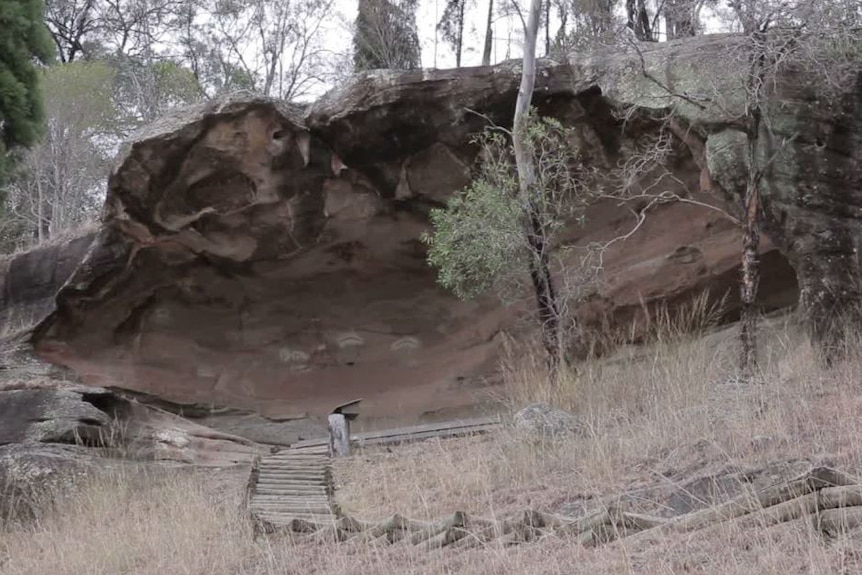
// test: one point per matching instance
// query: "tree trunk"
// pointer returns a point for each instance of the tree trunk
(638, 20)
(489, 35)
(460, 33)
(751, 209)
(540, 272)
(750, 280)
(546, 296)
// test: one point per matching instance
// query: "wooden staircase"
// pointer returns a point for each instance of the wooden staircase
(293, 484)
(294, 488)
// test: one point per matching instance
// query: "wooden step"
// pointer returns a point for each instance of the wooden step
(299, 458)
(293, 480)
(292, 487)
(289, 478)
(296, 464)
(287, 484)
(315, 452)
(287, 481)
(283, 499)
(290, 514)
(277, 497)
(280, 491)
(292, 508)
(292, 505)
(275, 493)
(292, 511)
(293, 462)
(286, 518)
(297, 470)
(291, 501)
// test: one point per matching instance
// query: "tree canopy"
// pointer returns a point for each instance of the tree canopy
(23, 43)
(385, 36)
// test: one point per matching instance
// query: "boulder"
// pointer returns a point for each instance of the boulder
(263, 256)
(83, 416)
(545, 421)
(33, 475)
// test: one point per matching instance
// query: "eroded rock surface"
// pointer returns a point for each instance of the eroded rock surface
(52, 413)
(263, 256)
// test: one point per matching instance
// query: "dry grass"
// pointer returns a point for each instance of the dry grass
(658, 418)
(134, 520)
(656, 415)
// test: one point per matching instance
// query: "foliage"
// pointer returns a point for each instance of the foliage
(144, 91)
(478, 238)
(23, 42)
(61, 179)
(385, 36)
(480, 242)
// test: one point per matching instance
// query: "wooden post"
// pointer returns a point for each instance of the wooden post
(339, 428)
(339, 435)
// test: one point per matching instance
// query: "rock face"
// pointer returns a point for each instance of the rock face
(76, 415)
(259, 255)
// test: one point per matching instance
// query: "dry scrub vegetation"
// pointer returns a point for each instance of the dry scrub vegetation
(667, 428)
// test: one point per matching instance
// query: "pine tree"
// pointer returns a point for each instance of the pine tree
(24, 41)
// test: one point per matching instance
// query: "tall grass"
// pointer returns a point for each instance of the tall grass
(134, 520)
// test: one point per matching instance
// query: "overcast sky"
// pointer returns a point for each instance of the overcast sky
(508, 33)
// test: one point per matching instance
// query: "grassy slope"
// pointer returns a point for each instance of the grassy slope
(662, 423)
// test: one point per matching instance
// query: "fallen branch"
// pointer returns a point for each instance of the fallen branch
(833, 498)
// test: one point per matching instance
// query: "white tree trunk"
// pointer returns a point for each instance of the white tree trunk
(540, 273)
(489, 35)
(525, 92)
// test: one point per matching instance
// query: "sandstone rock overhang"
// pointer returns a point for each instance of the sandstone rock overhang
(263, 255)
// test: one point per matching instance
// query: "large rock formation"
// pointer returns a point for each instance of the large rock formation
(260, 255)
(50, 412)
